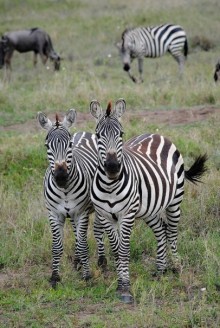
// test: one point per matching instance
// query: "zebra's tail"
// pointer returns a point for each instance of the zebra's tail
(197, 170)
(185, 49)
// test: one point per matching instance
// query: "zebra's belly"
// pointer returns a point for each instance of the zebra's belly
(113, 205)
(155, 202)
(70, 207)
(146, 212)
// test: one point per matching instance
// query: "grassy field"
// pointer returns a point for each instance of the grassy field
(84, 33)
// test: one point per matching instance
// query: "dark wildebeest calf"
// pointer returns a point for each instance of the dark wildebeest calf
(34, 39)
(217, 71)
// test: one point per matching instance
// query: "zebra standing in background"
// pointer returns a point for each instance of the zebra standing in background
(152, 42)
(141, 178)
(67, 182)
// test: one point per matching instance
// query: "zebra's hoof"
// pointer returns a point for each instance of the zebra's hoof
(126, 297)
(159, 273)
(87, 277)
(53, 284)
(102, 262)
(77, 264)
(134, 79)
(54, 279)
(176, 270)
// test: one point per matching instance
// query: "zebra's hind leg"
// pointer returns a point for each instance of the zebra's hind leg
(180, 60)
(57, 247)
(99, 236)
(159, 228)
(173, 216)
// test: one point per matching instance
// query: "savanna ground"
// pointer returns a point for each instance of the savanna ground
(187, 111)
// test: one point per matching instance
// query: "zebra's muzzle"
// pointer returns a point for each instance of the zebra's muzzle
(112, 166)
(61, 175)
(126, 67)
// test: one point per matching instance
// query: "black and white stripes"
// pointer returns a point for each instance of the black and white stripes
(152, 42)
(67, 182)
(141, 178)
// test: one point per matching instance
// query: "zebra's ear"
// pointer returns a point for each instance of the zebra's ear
(69, 118)
(44, 121)
(120, 107)
(96, 109)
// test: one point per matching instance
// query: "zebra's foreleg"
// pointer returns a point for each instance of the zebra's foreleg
(127, 68)
(82, 245)
(132, 77)
(77, 262)
(124, 258)
(159, 228)
(140, 69)
(57, 247)
(99, 236)
(112, 233)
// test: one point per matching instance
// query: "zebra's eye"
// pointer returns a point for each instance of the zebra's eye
(121, 134)
(97, 135)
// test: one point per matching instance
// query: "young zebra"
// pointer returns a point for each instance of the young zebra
(138, 179)
(152, 42)
(67, 182)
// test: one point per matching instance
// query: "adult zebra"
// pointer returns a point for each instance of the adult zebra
(67, 182)
(138, 179)
(152, 42)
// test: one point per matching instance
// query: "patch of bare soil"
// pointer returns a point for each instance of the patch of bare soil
(175, 117)
(169, 117)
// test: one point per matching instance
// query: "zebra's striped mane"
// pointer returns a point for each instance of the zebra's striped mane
(109, 108)
(128, 29)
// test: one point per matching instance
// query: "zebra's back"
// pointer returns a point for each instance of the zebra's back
(159, 169)
(162, 38)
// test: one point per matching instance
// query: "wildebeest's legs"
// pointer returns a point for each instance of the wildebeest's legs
(7, 59)
(7, 67)
(35, 59)
(43, 55)
(7, 74)
(43, 58)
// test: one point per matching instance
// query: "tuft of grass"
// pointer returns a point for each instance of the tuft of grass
(202, 42)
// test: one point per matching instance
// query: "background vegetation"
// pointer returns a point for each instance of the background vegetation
(84, 33)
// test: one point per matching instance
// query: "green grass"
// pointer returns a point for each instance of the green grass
(85, 33)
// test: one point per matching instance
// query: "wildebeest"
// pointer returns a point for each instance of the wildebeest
(217, 71)
(33, 39)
